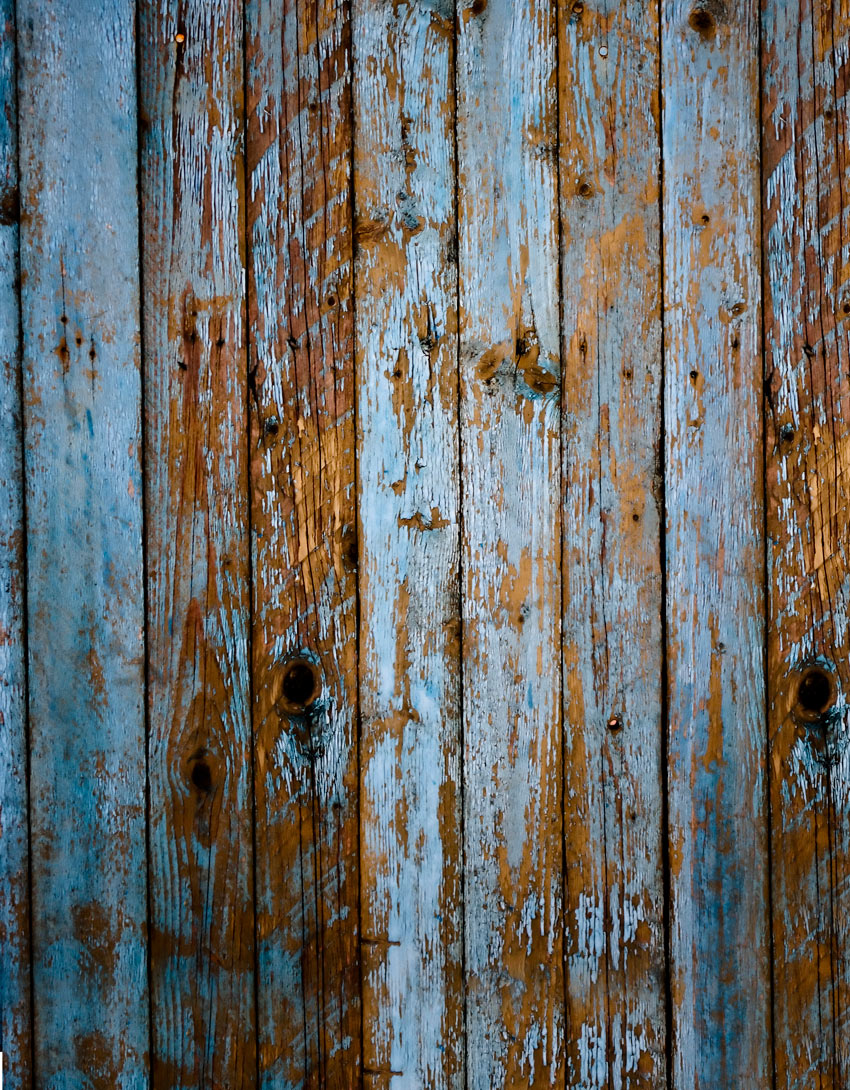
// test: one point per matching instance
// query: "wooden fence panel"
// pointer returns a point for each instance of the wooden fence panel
(408, 487)
(507, 131)
(82, 401)
(719, 946)
(15, 1010)
(807, 283)
(304, 542)
(613, 650)
(201, 873)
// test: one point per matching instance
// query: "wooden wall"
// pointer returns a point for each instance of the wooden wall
(425, 598)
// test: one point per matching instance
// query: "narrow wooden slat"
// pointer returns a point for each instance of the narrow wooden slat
(807, 304)
(304, 542)
(15, 1013)
(80, 304)
(714, 544)
(507, 132)
(406, 292)
(611, 267)
(202, 922)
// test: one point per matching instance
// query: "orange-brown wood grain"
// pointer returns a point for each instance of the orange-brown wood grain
(201, 872)
(807, 309)
(304, 542)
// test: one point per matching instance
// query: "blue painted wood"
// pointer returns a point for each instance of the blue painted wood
(510, 373)
(80, 304)
(806, 65)
(613, 648)
(15, 1020)
(409, 497)
(201, 865)
(304, 541)
(719, 948)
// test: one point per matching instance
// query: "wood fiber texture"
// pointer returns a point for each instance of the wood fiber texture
(425, 580)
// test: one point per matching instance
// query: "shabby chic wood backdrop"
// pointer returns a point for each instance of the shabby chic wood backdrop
(424, 614)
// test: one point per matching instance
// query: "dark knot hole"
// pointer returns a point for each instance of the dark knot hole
(815, 694)
(201, 776)
(300, 684)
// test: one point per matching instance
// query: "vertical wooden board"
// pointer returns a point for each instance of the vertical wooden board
(15, 1012)
(611, 269)
(804, 138)
(406, 292)
(202, 921)
(714, 546)
(82, 398)
(507, 131)
(304, 542)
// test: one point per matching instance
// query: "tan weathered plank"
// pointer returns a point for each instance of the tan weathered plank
(406, 293)
(507, 133)
(807, 304)
(15, 1011)
(79, 256)
(719, 945)
(202, 920)
(304, 542)
(611, 277)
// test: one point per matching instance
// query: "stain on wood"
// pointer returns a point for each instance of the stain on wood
(423, 621)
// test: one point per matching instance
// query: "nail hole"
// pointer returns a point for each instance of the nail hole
(627, 374)
(300, 684)
(271, 426)
(635, 517)
(694, 376)
(332, 300)
(615, 723)
(815, 692)
(705, 218)
(201, 776)
(585, 189)
(702, 22)
(64, 319)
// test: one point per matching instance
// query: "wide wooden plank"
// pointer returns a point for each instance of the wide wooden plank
(807, 304)
(82, 399)
(304, 542)
(195, 362)
(406, 290)
(507, 134)
(613, 651)
(719, 947)
(15, 1012)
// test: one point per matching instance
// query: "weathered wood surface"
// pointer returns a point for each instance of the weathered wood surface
(612, 458)
(719, 943)
(82, 400)
(409, 496)
(304, 542)
(15, 1010)
(507, 136)
(433, 542)
(807, 303)
(196, 495)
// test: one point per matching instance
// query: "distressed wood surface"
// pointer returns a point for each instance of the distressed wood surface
(15, 1010)
(408, 490)
(82, 405)
(508, 238)
(195, 365)
(304, 542)
(719, 949)
(612, 642)
(807, 303)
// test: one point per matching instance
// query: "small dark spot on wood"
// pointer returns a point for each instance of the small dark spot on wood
(786, 433)
(300, 685)
(815, 692)
(182, 365)
(79, 339)
(845, 307)
(220, 342)
(332, 300)
(92, 353)
(292, 342)
(349, 549)
(585, 189)
(807, 348)
(201, 776)
(702, 22)
(735, 340)
(706, 219)
(271, 426)
(694, 376)
(828, 114)
(627, 374)
(10, 210)
(397, 373)
(478, 6)
(63, 318)
(615, 723)
(635, 517)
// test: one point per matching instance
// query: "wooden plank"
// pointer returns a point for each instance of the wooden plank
(507, 132)
(409, 491)
(804, 135)
(613, 650)
(304, 542)
(80, 305)
(15, 1009)
(719, 945)
(201, 868)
